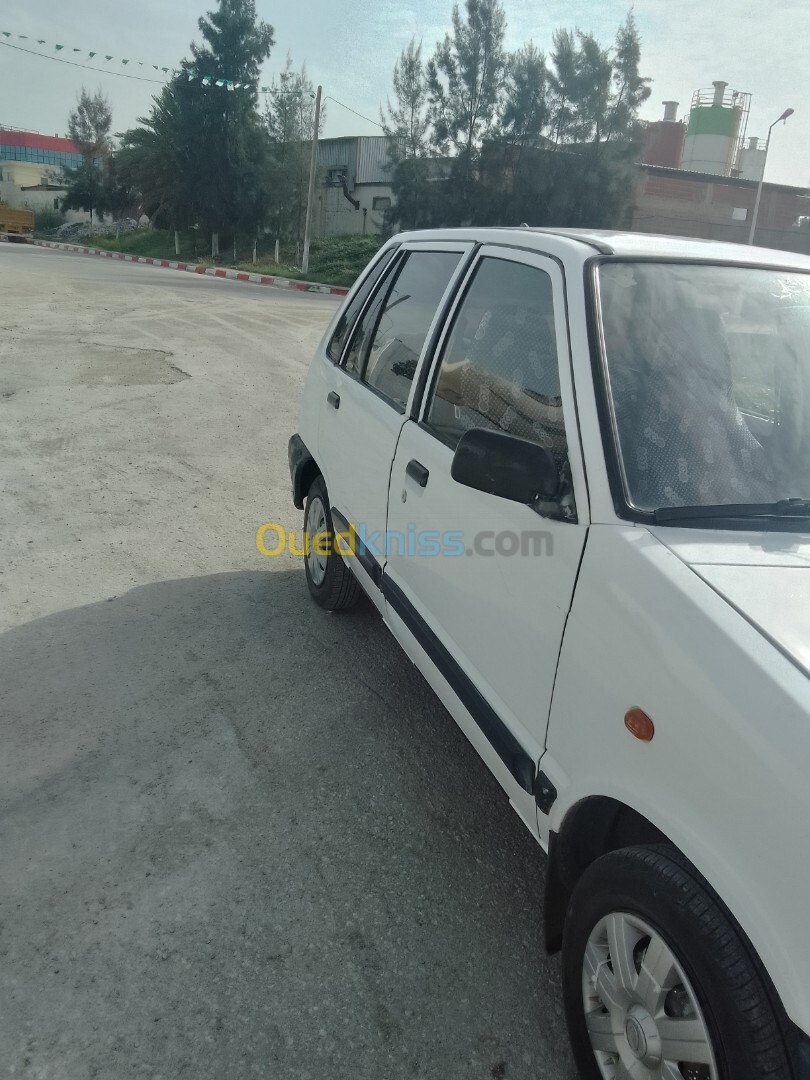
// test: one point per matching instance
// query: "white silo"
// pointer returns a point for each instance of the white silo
(717, 121)
(751, 159)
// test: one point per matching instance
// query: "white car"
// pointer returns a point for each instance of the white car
(572, 471)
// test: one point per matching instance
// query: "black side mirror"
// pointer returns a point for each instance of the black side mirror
(504, 465)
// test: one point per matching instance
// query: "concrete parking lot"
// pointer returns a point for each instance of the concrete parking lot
(240, 836)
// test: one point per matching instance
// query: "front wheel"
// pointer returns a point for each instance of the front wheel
(331, 583)
(660, 983)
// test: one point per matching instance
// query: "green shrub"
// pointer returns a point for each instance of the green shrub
(333, 260)
(47, 219)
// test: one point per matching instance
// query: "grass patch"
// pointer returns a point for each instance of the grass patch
(150, 243)
(333, 260)
(338, 260)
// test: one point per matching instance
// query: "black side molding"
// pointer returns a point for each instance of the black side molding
(364, 557)
(557, 895)
(804, 1057)
(503, 742)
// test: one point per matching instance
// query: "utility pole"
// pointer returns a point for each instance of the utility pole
(755, 215)
(313, 168)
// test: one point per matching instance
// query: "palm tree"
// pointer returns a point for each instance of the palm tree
(152, 162)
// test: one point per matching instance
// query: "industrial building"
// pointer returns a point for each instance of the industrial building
(31, 170)
(714, 138)
(355, 185)
(695, 177)
(698, 177)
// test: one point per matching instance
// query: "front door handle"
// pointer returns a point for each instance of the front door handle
(333, 399)
(417, 471)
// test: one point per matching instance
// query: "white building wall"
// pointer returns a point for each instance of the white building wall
(23, 173)
(17, 175)
(337, 217)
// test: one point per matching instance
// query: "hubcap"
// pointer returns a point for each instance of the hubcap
(642, 1036)
(315, 524)
(636, 1038)
(643, 1018)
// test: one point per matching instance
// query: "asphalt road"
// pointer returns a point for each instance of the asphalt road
(240, 837)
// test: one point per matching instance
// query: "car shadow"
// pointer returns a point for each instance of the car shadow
(241, 837)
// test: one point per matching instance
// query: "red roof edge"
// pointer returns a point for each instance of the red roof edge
(38, 142)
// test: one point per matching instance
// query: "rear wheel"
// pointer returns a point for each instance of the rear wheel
(331, 583)
(659, 981)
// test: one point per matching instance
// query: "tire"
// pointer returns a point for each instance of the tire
(645, 910)
(331, 583)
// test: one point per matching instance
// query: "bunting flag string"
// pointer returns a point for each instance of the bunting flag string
(90, 53)
(108, 58)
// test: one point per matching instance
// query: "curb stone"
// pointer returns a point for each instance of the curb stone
(210, 271)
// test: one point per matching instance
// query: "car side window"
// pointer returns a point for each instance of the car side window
(400, 331)
(499, 367)
(355, 305)
(355, 354)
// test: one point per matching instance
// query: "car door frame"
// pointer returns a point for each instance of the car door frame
(427, 373)
(458, 691)
(366, 567)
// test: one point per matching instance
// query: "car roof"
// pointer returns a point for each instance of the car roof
(588, 242)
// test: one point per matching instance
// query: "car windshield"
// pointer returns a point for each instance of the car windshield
(708, 372)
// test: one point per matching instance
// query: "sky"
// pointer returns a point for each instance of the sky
(758, 46)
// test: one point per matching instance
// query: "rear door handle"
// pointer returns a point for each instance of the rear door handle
(417, 471)
(333, 399)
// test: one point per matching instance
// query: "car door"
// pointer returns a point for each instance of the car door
(365, 395)
(489, 609)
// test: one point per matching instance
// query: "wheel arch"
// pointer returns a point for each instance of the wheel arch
(303, 470)
(599, 824)
(591, 828)
(310, 471)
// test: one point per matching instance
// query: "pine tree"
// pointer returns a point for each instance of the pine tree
(406, 123)
(525, 110)
(290, 118)
(630, 89)
(89, 124)
(580, 87)
(465, 77)
(201, 156)
(223, 135)
(519, 137)
(595, 97)
(89, 127)
(407, 126)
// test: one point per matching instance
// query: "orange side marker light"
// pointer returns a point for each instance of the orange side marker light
(639, 724)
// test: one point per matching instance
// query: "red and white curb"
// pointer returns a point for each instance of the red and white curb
(210, 271)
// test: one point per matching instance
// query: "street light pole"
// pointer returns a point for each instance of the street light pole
(313, 168)
(784, 116)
